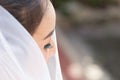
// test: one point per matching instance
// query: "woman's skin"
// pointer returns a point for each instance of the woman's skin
(44, 32)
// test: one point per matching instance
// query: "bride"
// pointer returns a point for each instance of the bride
(28, 48)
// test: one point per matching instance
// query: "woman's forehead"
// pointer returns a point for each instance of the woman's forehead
(48, 21)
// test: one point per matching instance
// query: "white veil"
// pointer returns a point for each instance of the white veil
(20, 56)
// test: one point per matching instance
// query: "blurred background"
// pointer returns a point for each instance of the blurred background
(89, 39)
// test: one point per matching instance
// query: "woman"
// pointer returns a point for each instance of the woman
(20, 57)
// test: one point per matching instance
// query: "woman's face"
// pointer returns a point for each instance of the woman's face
(43, 35)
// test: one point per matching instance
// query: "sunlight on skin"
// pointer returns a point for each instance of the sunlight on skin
(46, 26)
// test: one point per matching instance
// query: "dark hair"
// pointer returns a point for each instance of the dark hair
(27, 12)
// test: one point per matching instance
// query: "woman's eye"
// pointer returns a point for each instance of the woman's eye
(47, 46)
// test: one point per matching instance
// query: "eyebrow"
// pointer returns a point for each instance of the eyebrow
(50, 34)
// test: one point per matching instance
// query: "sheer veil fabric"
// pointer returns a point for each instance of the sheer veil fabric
(20, 56)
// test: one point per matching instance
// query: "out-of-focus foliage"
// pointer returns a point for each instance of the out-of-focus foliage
(95, 4)
(91, 3)
(60, 3)
(98, 3)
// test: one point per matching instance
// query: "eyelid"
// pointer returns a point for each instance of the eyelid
(50, 43)
(50, 34)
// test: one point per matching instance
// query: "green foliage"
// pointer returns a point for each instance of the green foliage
(91, 3)
(60, 3)
(98, 3)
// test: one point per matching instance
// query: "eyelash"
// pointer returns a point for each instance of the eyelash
(48, 46)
